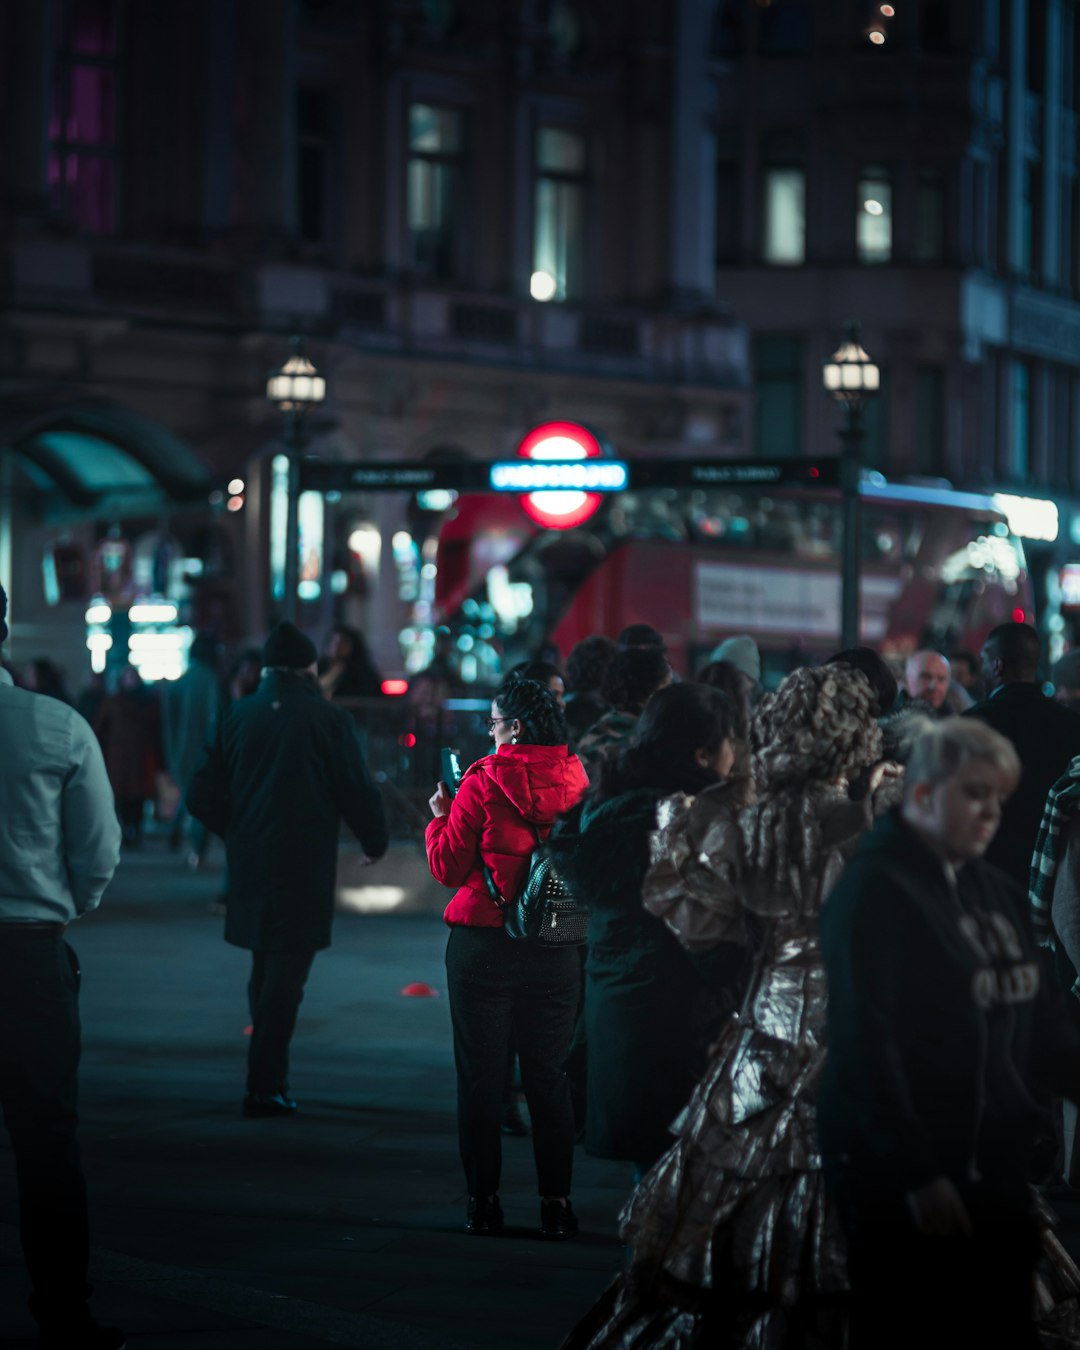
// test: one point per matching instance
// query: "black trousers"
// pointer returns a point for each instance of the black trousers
(938, 1293)
(275, 992)
(40, 1044)
(498, 988)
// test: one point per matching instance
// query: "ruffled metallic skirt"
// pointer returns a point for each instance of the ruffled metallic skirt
(734, 1239)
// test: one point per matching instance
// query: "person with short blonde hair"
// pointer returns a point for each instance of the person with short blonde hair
(944, 747)
(941, 1040)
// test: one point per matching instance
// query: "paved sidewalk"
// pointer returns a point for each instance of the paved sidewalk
(338, 1228)
(341, 1227)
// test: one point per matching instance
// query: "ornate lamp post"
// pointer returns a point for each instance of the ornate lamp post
(850, 377)
(294, 390)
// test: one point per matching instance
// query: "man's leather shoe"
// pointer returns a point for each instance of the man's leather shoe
(257, 1105)
(557, 1221)
(484, 1217)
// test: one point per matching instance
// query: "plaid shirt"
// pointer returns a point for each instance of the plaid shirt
(1062, 801)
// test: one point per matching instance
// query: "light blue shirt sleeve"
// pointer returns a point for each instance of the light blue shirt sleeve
(91, 831)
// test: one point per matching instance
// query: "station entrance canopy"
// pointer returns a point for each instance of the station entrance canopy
(82, 456)
(595, 475)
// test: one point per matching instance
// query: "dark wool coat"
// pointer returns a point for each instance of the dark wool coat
(503, 802)
(285, 770)
(940, 1022)
(650, 1007)
(1046, 736)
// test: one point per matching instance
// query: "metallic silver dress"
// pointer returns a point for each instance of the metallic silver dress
(732, 1234)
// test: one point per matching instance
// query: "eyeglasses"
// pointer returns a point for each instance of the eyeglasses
(492, 720)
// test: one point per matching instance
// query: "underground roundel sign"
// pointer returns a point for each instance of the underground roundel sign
(560, 510)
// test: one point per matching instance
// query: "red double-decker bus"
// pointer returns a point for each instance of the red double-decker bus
(939, 568)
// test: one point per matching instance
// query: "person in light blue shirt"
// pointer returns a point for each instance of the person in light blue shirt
(59, 847)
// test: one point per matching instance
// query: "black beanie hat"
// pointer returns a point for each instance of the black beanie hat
(3, 616)
(287, 646)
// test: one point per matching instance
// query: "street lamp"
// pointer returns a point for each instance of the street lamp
(294, 390)
(850, 377)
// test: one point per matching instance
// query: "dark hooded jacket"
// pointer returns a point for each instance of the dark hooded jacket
(283, 773)
(505, 803)
(939, 1022)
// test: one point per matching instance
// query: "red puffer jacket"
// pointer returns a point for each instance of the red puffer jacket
(499, 800)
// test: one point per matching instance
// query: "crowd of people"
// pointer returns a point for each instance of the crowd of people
(824, 1008)
(826, 995)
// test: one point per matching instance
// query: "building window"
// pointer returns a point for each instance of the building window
(1030, 220)
(784, 232)
(778, 387)
(728, 199)
(783, 27)
(873, 216)
(930, 216)
(82, 116)
(876, 416)
(314, 174)
(559, 221)
(1019, 421)
(728, 28)
(934, 25)
(436, 170)
(930, 419)
(1036, 46)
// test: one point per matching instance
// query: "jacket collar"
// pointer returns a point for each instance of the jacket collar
(1019, 689)
(5, 678)
(893, 831)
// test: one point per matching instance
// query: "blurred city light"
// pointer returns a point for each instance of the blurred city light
(153, 611)
(236, 485)
(1029, 517)
(99, 612)
(235, 503)
(542, 286)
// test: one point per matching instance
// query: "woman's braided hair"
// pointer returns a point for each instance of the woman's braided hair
(815, 730)
(535, 707)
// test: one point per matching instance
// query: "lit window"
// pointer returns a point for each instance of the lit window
(1020, 421)
(314, 168)
(82, 117)
(930, 217)
(779, 359)
(785, 216)
(436, 167)
(559, 223)
(873, 216)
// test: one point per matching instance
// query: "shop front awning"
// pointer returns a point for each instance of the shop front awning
(78, 456)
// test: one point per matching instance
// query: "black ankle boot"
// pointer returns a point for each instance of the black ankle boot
(557, 1221)
(484, 1217)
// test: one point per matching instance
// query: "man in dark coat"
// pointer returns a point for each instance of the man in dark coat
(285, 769)
(1045, 734)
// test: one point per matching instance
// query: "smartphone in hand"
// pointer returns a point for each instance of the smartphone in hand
(451, 769)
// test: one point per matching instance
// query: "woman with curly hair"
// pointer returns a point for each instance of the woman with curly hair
(732, 1243)
(586, 667)
(499, 988)
(631, 679)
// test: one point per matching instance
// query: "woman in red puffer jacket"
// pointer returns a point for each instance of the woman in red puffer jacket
(498, 986)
